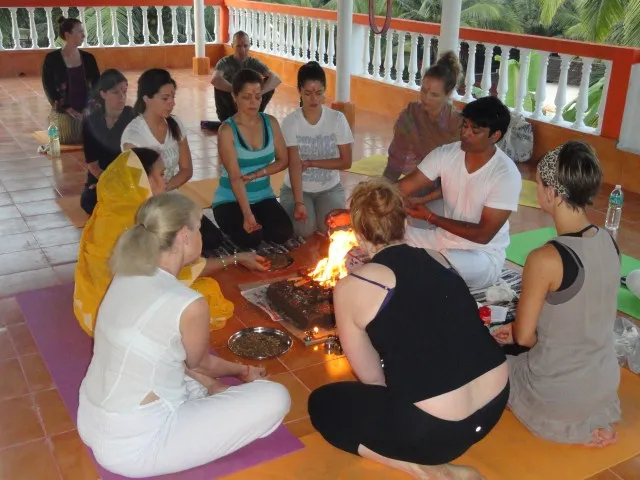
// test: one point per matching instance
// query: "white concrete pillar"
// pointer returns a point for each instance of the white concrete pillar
(343, 57)
(629, 138)
(450, 26)
(198, 17)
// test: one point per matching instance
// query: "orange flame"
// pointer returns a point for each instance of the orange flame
(331, 269)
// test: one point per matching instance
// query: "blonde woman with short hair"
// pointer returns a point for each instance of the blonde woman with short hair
(151, 402)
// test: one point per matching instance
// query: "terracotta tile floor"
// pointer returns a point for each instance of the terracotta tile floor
(38, 245)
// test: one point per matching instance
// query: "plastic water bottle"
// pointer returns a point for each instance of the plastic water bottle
(54, 139)
(614, 212)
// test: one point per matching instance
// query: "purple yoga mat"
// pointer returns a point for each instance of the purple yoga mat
(66, 351)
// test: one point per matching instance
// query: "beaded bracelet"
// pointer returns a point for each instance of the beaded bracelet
(235, 259)
(224, 265)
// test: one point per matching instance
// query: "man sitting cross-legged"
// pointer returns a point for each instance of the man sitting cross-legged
(480, 188)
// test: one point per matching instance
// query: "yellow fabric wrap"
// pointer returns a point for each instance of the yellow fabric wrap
(122, 189)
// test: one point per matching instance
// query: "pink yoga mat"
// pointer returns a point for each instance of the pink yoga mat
(67, 350)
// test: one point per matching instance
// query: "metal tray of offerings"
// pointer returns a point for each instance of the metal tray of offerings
(260, 343)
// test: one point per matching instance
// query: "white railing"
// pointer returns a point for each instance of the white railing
(306, 38)
(289, 36)
(36, 28)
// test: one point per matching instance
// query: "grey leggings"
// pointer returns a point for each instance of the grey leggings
(318, 205)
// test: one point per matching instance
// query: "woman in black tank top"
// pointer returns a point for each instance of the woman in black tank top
(432, 380)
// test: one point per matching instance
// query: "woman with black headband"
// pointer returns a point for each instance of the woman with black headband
(564, 389)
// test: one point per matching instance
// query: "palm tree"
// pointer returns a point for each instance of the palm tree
(609, 21)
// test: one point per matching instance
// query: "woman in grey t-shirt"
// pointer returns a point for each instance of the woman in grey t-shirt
(319, 143)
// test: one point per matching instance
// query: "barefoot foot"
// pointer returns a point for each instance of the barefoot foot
(603, 437)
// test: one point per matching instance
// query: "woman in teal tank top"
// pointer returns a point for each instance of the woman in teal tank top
(251, 148)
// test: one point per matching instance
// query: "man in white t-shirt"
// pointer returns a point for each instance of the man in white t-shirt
(480, 188)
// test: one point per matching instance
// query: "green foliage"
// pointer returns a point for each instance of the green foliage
(594, 95)
(604, 21)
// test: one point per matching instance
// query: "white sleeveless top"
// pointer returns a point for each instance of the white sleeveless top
(137, 343)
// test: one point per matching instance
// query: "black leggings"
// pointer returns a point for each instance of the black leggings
(89, 199)
(276, 224)
(349, 414)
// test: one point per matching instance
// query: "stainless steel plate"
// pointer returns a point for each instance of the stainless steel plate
(260, 343)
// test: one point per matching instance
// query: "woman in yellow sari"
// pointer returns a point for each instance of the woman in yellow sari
(132, 178)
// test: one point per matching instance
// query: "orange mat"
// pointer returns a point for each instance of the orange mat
(42, 137)
(508, 452)
(201, 191)
(71, 207)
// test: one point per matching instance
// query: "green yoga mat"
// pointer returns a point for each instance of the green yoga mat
(523, 243)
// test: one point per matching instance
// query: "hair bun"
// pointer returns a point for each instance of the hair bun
(450, 60)
(60, 19)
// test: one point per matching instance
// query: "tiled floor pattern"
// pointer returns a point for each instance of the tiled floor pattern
(38, 248)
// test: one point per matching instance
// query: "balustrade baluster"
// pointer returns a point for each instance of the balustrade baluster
(503, 75)
(188, 11)
(388, 57)
(322, 24)
(331, 47)
(160, 26)
(115, 33)
(130, 26)
(51, 36)
(561, 94)
(288, 45)
(99, 32)
(470, 77)
(400, 58)
(366, 53)
(216, 24)
(377, 56)
(426, 54)
(485, 83)
(296, 38)
(145, 24)
(541, 88)
(313, 49)
(413, 62)
(81, 16)
(15, 30)
(174, 25)
(582, 102)
(605, 91)
(305, 39)
(33, 33)
(522, 88)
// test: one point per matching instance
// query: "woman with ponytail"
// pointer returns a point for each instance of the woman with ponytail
(151, 402)
(157, 128)
(426, 124)
(68, 75)
(319, 142)
(134, 177)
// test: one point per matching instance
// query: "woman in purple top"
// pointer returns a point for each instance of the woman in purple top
(68, 75)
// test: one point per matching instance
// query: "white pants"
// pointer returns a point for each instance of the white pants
(478, 268)
(158, 438)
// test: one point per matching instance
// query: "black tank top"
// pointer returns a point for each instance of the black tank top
(429, 334)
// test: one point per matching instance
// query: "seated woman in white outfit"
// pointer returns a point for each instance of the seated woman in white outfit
(141, 411)
(157, 128)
